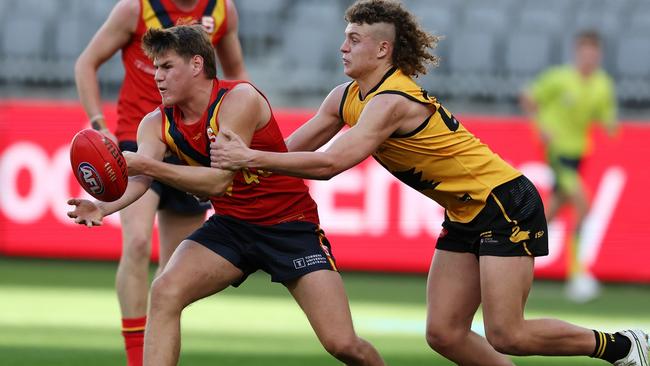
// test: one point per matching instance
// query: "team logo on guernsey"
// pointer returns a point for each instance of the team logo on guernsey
(211, 135)
(188, 20)
(414, 179)
(208, 23)
(90, 178)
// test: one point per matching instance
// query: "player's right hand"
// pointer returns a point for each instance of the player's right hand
(85, 212)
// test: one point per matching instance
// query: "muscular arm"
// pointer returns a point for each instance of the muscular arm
(320, 128)
(229, 49)
(150, 146)
(379, 120)
(243, 110)
(111, 36)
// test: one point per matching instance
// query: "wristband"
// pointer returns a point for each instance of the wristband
(95, 122)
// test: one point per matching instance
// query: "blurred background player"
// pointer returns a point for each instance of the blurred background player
(564, 101)
(178, 213)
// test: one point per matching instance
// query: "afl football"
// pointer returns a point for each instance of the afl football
(98, 165)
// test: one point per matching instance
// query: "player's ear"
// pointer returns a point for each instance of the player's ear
(197, 65)
(385, 49)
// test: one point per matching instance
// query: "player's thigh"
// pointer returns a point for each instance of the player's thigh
(322, 297)
(453, 290)
(137, 219)
(505, 285)
(194, 272)
(173, 228)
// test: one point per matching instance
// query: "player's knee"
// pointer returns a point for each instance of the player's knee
(344, 348)
(137, 247)
(442, 338)
(505, 340)
(166, 294)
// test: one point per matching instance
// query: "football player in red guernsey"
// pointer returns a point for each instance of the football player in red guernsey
(263, 221)
(178, 213)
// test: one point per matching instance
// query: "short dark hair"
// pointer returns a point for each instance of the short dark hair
(589, 36)
(186, 40)
(412, 43)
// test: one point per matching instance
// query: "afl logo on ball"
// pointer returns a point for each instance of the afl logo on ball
(88, 175)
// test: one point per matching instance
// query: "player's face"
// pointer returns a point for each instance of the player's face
(359, 50)
(173, 77)
(588, 56)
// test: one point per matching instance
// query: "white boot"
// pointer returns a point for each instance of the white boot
(638, 355)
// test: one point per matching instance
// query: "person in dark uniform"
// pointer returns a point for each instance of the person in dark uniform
(264, 221)
(494, 224)
(178, 213)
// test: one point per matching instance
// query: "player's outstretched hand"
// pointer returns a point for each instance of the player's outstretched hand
(85, 212)
(229, 152)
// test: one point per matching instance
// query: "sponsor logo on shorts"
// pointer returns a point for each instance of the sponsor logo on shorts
(488, 238)
(299, 263)
(309, 260)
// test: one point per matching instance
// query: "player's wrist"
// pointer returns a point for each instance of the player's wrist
(98, 123)
(101, 208)
(255, 159)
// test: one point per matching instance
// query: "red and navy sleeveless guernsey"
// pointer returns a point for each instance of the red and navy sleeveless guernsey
(255, 196)
(139, 94)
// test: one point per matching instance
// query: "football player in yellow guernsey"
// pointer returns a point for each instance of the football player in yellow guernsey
(494, 226)
(564, 101)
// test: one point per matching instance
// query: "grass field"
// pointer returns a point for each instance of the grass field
(65, 313)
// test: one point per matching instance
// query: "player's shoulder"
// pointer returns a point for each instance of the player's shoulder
(153, 117)
(243, 95)
(339, 93)
(244, 91)
(127, 7)
(125, 12)
(604, 78)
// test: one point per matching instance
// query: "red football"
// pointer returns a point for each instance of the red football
(98, 165)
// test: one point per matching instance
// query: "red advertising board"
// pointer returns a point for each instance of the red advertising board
(373, 221)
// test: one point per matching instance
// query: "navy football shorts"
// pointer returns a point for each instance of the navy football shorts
(286, 251)
(511, 224)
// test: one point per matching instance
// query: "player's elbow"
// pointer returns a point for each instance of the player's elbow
(217, 189)
(82, 68)
(331, 168)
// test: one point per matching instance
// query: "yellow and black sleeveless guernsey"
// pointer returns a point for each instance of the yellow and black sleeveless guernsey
(440, 158)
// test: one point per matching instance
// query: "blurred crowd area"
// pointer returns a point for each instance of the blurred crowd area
(491, 48)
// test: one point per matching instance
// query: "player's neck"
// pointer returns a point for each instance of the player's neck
(185, 5)
(193, 108)
(586, 73)
(370, 80)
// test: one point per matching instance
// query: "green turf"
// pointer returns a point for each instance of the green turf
(65, 313)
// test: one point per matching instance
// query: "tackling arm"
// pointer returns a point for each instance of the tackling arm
(322, 127)
(378, 121)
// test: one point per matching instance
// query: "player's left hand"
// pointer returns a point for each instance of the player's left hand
(135, 162)
(229, 152)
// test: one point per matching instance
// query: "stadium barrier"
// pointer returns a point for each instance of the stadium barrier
(374, 222)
